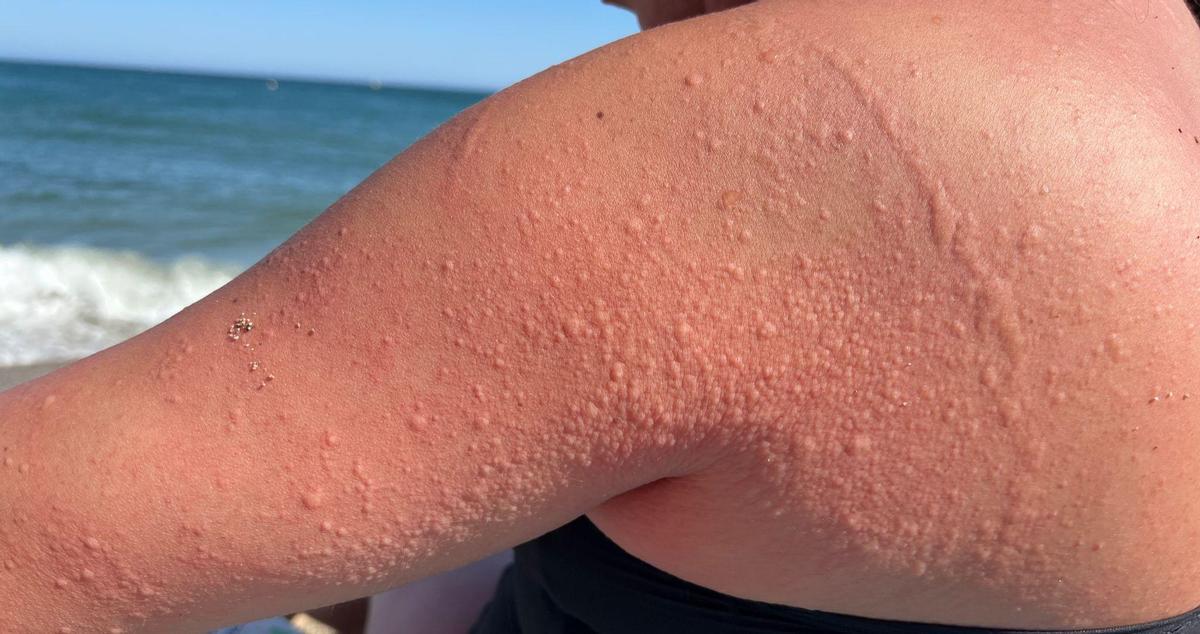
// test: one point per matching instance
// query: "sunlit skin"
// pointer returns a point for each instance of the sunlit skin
(884, 310)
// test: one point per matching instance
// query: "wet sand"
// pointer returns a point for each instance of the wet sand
(22, 373)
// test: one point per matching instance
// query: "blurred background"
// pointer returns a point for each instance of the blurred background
(150, 151)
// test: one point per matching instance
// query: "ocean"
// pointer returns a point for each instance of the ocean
(127, 195)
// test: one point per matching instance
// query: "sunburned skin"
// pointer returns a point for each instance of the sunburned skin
(882, 311)
(978, 389)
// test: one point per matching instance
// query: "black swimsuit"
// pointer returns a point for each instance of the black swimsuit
(574, 580)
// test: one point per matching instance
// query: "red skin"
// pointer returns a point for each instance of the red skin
(885, 311)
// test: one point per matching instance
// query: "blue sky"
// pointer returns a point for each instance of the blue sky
(485, 44)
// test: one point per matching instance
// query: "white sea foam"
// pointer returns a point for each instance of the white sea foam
(61, 303)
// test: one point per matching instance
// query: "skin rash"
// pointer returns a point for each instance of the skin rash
(886, 312)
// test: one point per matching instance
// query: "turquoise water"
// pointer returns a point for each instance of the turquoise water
(125, 195)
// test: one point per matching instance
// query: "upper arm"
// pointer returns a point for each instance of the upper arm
(455, 358)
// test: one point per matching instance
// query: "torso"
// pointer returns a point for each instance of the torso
(956, 380)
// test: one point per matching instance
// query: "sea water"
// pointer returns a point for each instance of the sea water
(126, 195)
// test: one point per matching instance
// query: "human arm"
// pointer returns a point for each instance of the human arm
(679, 183)
(166, 474)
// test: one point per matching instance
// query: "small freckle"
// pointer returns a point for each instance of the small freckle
(599, 115)
(312, 331)
(937, 19)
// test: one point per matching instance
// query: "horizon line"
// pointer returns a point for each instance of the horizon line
(249, 75)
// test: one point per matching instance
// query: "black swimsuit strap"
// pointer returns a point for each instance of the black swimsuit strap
(574, 580)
